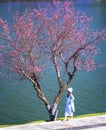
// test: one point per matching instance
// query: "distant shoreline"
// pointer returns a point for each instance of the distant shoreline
(4, 1)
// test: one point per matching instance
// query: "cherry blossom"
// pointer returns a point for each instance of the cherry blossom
(56, 34)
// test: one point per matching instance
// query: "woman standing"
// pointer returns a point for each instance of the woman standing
(70, 107)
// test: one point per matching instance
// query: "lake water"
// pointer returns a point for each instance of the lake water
(18, 100)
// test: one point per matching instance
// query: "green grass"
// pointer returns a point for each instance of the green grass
(60, 118)
(34, 122)
(89, 115)
(85, 115)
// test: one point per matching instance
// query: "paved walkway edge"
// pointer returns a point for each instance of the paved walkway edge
(86, 123)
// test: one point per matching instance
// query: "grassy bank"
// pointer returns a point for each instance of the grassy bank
(86, 115)
(60, 118)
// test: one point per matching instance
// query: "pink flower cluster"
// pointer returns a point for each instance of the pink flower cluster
(63, 33)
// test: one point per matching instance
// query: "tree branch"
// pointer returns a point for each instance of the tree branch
(36, 85)
(56, 68)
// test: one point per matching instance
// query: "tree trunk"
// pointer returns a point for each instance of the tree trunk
(53, 115)
(54, 111)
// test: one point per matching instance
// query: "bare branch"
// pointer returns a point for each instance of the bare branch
(57, 69)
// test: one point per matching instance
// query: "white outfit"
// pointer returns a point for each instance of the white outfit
(70, 107)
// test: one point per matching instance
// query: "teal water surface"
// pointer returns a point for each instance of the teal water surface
(18, 100)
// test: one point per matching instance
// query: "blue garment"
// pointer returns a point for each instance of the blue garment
(70, 107)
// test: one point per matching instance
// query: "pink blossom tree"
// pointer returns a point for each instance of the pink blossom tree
(57, 33)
